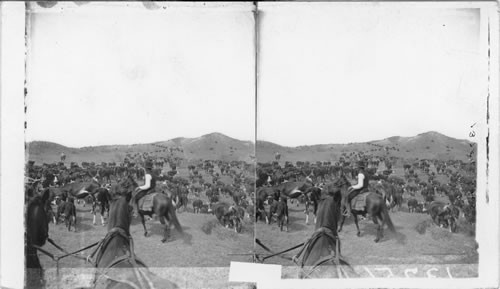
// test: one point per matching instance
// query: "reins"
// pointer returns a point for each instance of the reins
(278, 253)
(118, 260)
(58, 258)
(323, 231)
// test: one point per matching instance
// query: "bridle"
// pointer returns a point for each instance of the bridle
(103, 273)
(335, 256)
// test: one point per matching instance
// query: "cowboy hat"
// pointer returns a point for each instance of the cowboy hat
(148, 165)
(361, 164)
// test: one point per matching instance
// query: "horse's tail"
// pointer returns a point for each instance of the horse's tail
(175, 221)
(387, 218)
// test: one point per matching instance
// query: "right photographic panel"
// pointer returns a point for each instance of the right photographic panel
(372, 128)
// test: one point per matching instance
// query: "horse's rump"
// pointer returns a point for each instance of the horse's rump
(146, 202)
(358, 203)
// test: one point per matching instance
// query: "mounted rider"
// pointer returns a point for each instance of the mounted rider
(360, 187)
(147, 188)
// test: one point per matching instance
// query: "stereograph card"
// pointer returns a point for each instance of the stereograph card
(249, 145)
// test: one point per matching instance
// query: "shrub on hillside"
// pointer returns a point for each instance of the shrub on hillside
(208, 226)
(422, 226)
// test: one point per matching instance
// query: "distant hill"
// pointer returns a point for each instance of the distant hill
(214, 146)
(429, 145)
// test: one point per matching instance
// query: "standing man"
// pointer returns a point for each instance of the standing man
(359, 188)
(147, 188)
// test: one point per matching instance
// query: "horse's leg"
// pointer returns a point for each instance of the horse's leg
(286, 220)
(143, 224)
(165, 230)
(102, 214)
(379, 235)
(357, 225)
(341, 223)
(382, 224)
(68, 223)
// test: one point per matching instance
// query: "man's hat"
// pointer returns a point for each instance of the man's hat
(361, 164)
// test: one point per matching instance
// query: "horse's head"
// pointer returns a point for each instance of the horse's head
(120, 212)
(32, 190)
(37, 219)
(342, 182)
(126, 185)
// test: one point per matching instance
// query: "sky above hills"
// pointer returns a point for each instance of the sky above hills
(115, 73)
(328, 73)
(354, 73)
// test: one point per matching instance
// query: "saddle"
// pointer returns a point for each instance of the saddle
(146, 202)
(359, 202)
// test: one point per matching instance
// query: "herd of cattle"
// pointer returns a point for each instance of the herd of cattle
(232, 190)
(443, 189)
(224, 189)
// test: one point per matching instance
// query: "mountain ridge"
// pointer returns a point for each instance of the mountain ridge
(216, 145)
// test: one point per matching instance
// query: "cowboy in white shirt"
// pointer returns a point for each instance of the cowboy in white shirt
(360, 187)
(141, 191)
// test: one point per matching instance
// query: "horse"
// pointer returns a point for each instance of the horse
(67, 210)
(100, 199)
(222, 212)
(163, 208)
(444, 215)
(412, 205)
(251, 211)
(36, 188)
(293, 189)
(393, 196)
(375, 207)
(260, 211)
(115, 259)
(197, 205)
(229, 216)
(37, 233)
(280, 209)
(236, 222)
(312, 196)
(182, 201)
(80, 189)
(282, 213)
(323, 248)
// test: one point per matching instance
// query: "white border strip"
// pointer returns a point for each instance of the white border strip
(12, 145)
(12, 151)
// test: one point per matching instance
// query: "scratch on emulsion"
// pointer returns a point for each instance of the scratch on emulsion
(27, 28)
(255, 12)
(256, 73)
(488, 118)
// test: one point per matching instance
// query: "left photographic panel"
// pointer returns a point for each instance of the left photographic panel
(140, 127)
